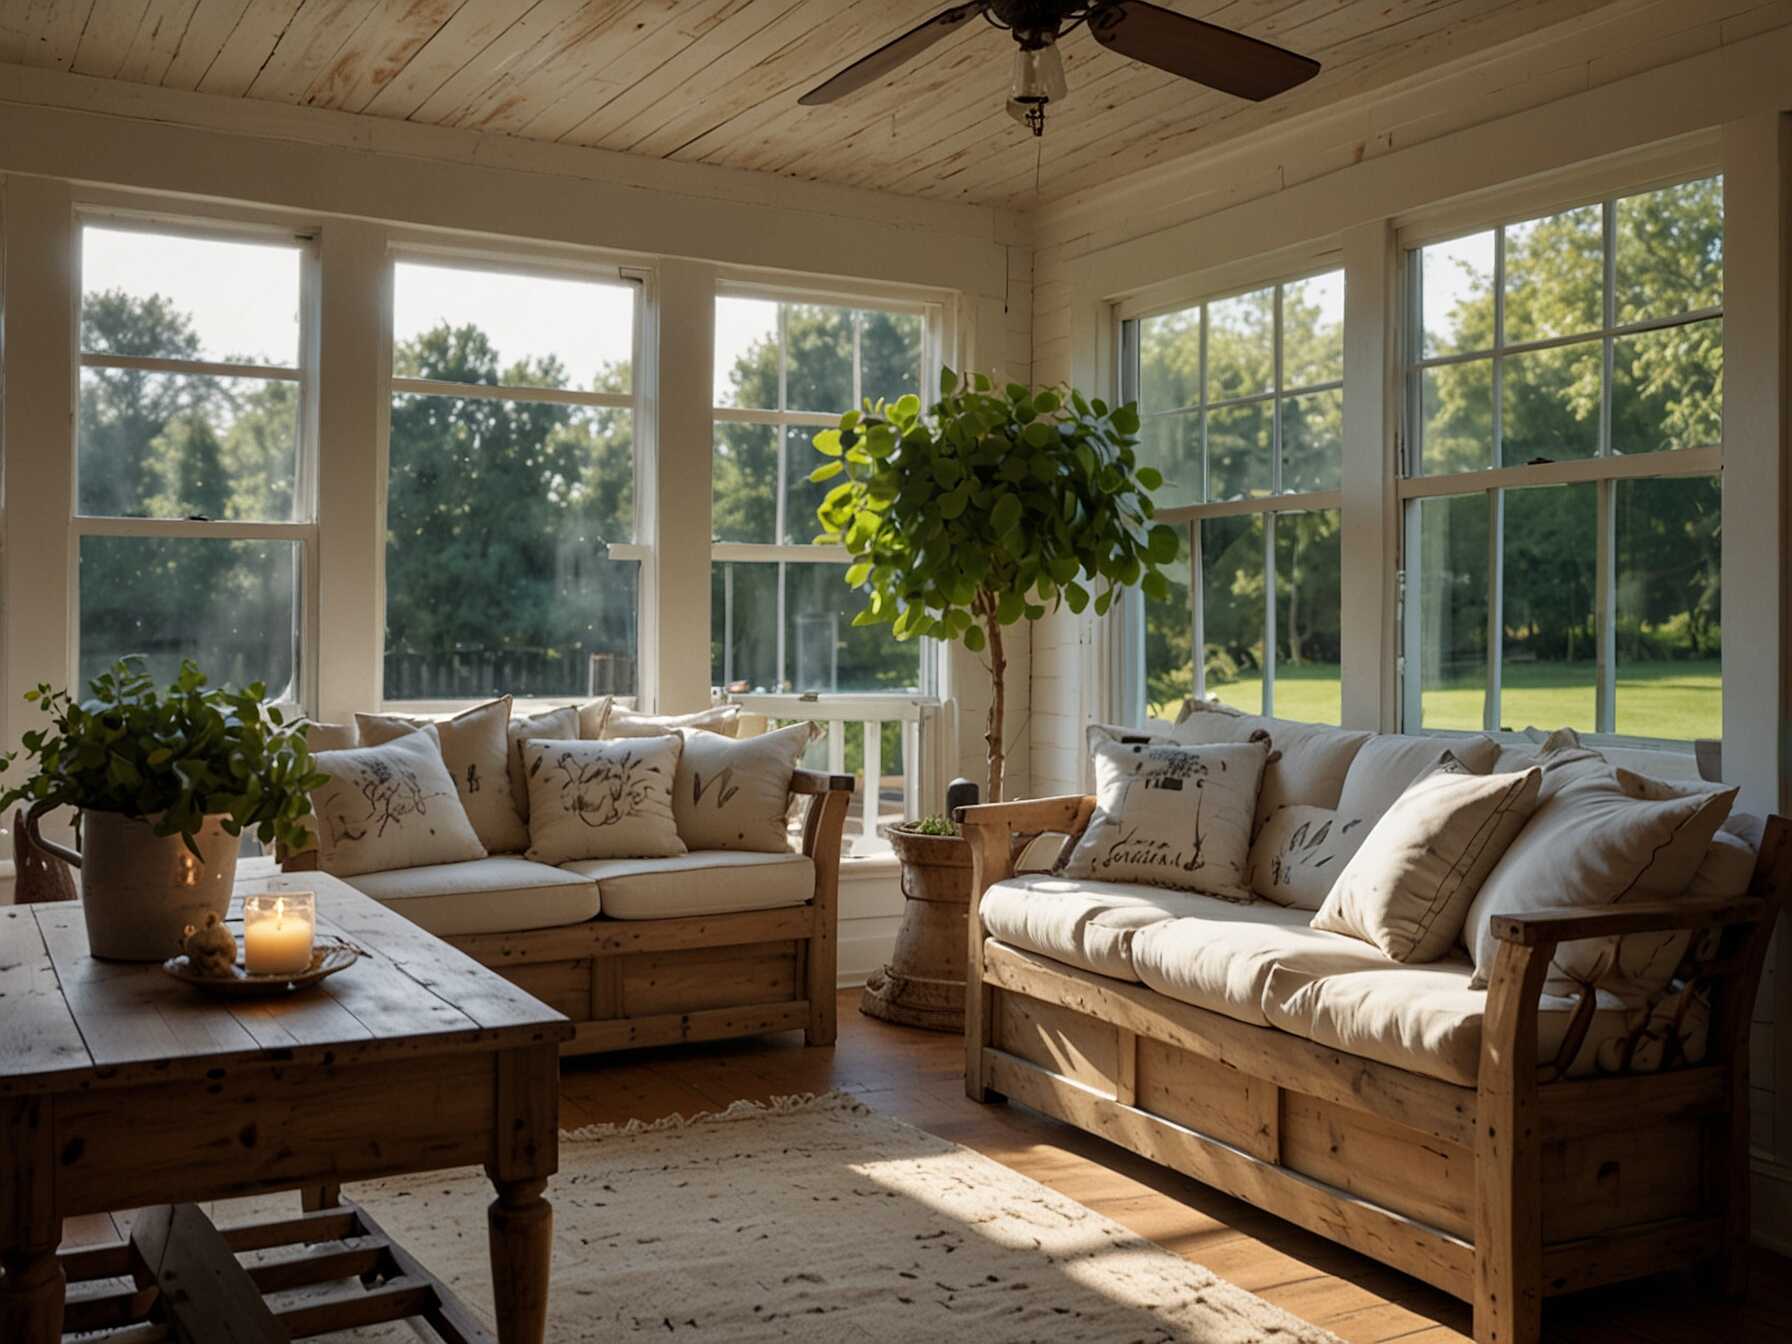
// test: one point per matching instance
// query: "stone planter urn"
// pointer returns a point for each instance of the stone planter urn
(923, 984)
(140, 890)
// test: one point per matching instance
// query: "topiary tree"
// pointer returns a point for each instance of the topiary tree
(987, 509)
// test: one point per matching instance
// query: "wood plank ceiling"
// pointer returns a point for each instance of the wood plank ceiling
(716, 81)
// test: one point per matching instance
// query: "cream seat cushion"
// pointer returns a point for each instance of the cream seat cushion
(1225, 967)
(701, 882)
(1091, 925)
(502, 894)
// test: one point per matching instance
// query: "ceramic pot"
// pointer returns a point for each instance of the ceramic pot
(923, 984)
(140, 890)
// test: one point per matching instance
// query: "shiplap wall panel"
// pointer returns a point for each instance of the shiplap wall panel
(717, 81)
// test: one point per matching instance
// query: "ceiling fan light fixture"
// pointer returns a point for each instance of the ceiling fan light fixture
(1038, 80)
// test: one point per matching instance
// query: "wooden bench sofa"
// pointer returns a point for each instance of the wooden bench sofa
(630, 979)
(1502, 1192)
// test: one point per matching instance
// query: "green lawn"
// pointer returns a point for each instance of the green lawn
(1679, 701)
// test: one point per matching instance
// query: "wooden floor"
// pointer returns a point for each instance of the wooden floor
(918, 1077)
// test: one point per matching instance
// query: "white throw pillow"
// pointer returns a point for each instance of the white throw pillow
(1173, 816)
(736, 794)
(1408, 888)
(476, 748)
(557, 725)
(602, 800)
(1600, 840)
(723, 719)
(1299, 853)
(391, 806)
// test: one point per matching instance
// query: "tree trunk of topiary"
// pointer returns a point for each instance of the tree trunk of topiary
(998, 673)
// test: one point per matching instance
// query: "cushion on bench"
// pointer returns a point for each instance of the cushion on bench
(1225, 967)
(702, 882)
(1092, 925)
(501, 894)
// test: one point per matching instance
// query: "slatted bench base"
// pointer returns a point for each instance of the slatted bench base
(179, 1280)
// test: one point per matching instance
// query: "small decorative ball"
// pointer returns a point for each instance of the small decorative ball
(210, 950)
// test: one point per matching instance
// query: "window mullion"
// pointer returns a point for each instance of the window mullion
(1197, 593)
(1269, 613)
(1605, 564)
(1496, 604)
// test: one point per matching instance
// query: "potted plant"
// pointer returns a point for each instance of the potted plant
(166, 781)
(983, 510)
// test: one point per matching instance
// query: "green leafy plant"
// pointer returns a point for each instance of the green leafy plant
(173, 755)
(932, 826)
(988, 508)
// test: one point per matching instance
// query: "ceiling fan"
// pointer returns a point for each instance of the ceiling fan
(1204, 52)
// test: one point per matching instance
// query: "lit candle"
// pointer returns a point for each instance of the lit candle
(277, 932)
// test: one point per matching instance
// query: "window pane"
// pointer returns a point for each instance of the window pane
(1309, 595)
(1312, 440)
(1669, 642)
(1456, 295)
(232, 606)
(1668, 388)
(1451, 608)
(1456, 418)
(497, 576)
(1670, 256)
(1555, 275)
(1549, 404)
(1169, 636)
(824, 651)
(889, 355)
(1172, 444)
(820, 358)
(163, 295)
(744, 483)
(1170, 361)
(1239, 451)
(474, 326)
(1241, 345)
(743, 624)
(1232, 604)
(1548, 671)
(1313, 330)
(172, 445)
(801, 498)
(746, 371)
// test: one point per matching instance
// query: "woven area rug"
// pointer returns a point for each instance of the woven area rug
(818, 1219)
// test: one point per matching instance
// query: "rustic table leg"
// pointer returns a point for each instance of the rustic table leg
(31, 1295)
(522, 1242)
(323, 1195)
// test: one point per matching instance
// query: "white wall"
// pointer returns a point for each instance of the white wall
(1708, 80)
(359, 183)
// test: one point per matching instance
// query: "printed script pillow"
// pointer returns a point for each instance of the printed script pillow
(1408, 887)
(602, 800)
(1173, 816)
(736, 794)
(723, 719)
(476, 748)
(1600, 840)
(391, 806)
(1299, 853)
(558, 725)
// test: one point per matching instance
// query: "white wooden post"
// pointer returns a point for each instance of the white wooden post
(836, 746)
(874, 769)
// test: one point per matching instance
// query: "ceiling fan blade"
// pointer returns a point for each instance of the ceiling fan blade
(1204, 52)
(867, 70)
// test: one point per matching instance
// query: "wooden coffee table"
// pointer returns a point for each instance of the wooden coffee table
(121, 1089)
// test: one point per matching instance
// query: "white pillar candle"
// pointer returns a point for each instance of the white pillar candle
(278, 927)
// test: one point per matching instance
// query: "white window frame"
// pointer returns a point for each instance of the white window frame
(1604, 469)
(302, 529)
(1130, 671)
(530, 262)
(932, 315)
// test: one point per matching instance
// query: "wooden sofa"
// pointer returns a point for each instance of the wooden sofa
(1501, 1193)
(652, 981)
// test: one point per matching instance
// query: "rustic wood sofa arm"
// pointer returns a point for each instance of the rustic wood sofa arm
(1547, 928)
(992, 830)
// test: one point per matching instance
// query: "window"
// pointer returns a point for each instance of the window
(1242, 404)
(193, 512)
(510, 509)
(1563, 449)
(781, 613)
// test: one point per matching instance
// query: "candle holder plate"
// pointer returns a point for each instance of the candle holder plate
(328, 955)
